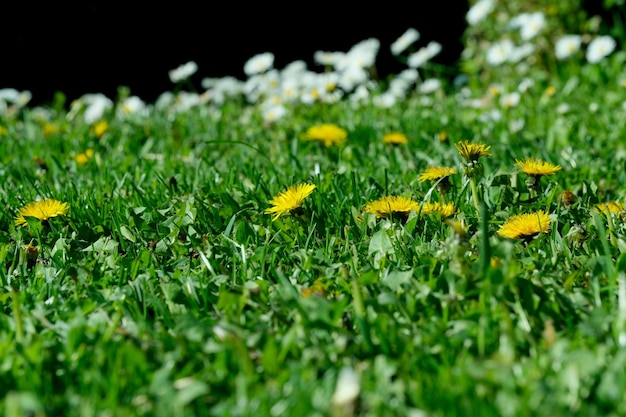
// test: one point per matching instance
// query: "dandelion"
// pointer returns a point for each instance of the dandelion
(444, 210)
(537, 167)
(599, 48)
(567, 198)
(436, 173)
(472, 151)
(328, 133)
(610, 207)
(84, 157)
(526, 226)
(289, 200)
(567, 46)
(50, 129)
(42, 210)
(395, 138)
(391, 206)
(100, 128)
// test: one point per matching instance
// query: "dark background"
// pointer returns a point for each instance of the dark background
(97, 46)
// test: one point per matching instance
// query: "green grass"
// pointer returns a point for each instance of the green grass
(167, 290)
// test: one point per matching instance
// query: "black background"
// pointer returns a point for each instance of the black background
(97, 46)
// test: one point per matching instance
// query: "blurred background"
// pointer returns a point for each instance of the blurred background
(98, 46)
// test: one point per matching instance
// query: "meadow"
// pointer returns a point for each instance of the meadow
(320, 242)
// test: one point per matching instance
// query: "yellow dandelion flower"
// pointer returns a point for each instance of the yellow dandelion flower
(610, 207)
(395, 138)
(328, 133)
(50, 129)
(472, 151)
(537, 167)
(550, 91)
(436, 173)
(42, 210)
(3, 131)
(392, 205)
(444, 210)
(443, 137)
(289, 200)
(526, 226)
(100, 128)
(83, 158)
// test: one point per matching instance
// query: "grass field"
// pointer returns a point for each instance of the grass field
(158, 259)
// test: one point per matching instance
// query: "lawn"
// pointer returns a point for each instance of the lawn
(320, 242)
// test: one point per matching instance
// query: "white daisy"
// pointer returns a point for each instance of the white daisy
(429, 85)
(500, 52)
(529, 24)
(259, 64)
(183, 72)
(404, 41)
(567, 46)
(510, 100)
(479, 11)
(599, 48)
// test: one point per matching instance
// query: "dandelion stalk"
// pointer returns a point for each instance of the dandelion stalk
(19, 332)
(475, 194)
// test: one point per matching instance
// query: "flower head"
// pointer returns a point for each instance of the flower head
(289, 200)
(525, 226)
(609, 207)
(259, 64)
(404, 41)
(392, 205)
(536, 167)
(567, 45)
(436, 173)
(42, 210)
(444, 210)
(472, 151)
(183, 72)
(599, 48)
(395, 138)
(328, 133)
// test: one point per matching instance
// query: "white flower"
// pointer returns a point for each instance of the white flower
(183, 72)
(404, 41)
(385, 100)
(599, 48)
(258, 64)
(479, 11)
(562, 108)
(520, 52)
(530, 24)
(273, 113)
(131, 105)
(97, 104)
(500, 52)
(510, 100)
(429, 86)
(525, 84)
(327, 58)
(410, 75)
(567, 46)
(347, 389)
(593, 107)
(516, 125)
(425, 54)
(361, 55)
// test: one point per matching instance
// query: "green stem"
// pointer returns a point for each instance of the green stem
(19, 332)
(475, 194)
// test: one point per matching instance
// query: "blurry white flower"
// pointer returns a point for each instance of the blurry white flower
(293, 69)
(599, 48)
(399, 87)
(351, 77)
(525, 84)
(361, 55)
(529, 24)
(164, 100)
(360, 94)
(410, 75)
(404, 41)
(500, 52)
(520, 52)
(479, 11)
(327, 58)
(567, 46)
(273, 113)
(423, 55)
(562, 108)
(132, 105)
(429, 86)
(258, 64)
(97, 104)
(516, 125)
(384, 100)
(593, 107)
(510, 100)
(347, 389)
(183, 72)
(222, 88)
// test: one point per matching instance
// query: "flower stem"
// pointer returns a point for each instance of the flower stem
(19, 332)
(475, 194)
